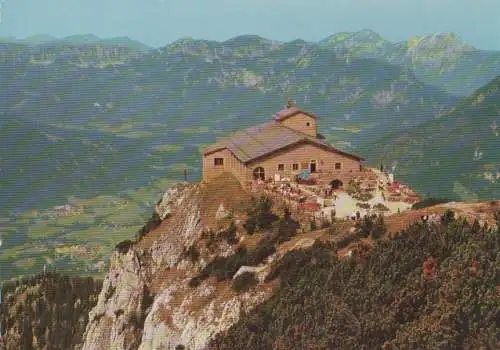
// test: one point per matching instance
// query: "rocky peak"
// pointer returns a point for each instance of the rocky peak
(147, 302)
(116, 322)
(354, 39)
(437, 45)
(367, 35)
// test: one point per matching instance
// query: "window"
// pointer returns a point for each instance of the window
(295, 166)
(308, 124)
(218, 161)
(313, 166)
(338, 166)
(259, 173)
(281, 167)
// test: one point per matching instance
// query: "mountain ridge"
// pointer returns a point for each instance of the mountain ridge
(472, 158)
(78, 39)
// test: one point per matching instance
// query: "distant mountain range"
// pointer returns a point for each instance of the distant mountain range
(87, 117)
(443, 60)
(84, 39)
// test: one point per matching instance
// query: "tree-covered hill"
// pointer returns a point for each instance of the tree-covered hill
(456, 155)
(47, 311)
(434, 286)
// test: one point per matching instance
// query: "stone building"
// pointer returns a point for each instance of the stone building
(280, 148)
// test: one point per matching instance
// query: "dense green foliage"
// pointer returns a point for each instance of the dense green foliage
(260, 217)
(46, 311)
(277, 231)
(213, 238)
(124, 246)
(192, 253)
(229, 234)
(224, 268)
(431, 287)
(243, 282)
(373, 226)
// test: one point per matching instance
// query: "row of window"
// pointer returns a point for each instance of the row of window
(281, 167)
(304, 166)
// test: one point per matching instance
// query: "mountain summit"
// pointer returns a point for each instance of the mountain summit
(365, 38)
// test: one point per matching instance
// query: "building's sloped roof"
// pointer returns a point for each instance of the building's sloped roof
(219, 145)
(264, 139)
(289, 112)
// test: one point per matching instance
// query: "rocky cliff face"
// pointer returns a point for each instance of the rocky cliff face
(146, 302)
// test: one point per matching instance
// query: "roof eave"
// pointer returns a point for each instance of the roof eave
(278, 118)
(306, 140)
(347, 154)
(206, 153)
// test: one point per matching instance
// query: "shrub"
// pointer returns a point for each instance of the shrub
(429, 202)
(352, 188)
(210, 239)
(229, 234)
(497, 219)
(448, 217)
(243, 282)
(365, 227)
(379, 228)
(109, 293)
(363, 196)
(250, 225)
(124, 246)
(363, 205)
(380, 207)
(258, 255)
(192, 253)
(286, 228)
(372, 227)
(224, 268)
(261, 216)
(195, 281)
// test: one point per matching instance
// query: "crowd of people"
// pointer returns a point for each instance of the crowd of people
(287, 191)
